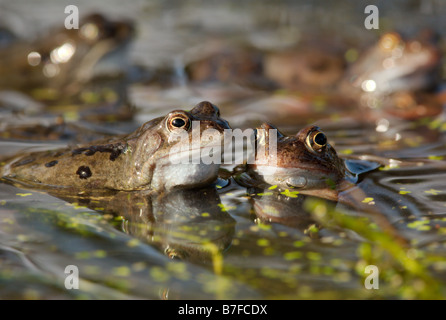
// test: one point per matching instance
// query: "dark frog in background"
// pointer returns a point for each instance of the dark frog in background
(70, 66)
(140, 160)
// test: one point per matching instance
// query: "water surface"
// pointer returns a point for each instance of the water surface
(218, 242)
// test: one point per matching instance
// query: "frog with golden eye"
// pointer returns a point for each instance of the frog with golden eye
(305, 162)
(138, 161)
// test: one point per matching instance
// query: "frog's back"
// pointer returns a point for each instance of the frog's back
(79, 168)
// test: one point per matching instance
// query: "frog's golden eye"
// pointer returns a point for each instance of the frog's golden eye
(178, 121)
(316, 141)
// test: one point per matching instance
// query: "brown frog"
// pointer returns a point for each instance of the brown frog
(412, 105)
(305, 162)
(225, 62)
(64, 58)
(307, 67)
(140, 160)
(393, 64)
(374, 81)
(69, 68)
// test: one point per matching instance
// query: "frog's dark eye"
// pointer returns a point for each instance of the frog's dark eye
(316, 141)
(320, 139)
(178, 121)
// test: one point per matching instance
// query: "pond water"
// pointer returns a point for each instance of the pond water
(226, 241)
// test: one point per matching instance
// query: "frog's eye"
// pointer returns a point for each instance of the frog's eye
(316, 141)
(178, 121)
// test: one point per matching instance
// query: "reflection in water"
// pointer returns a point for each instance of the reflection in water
(185, 224)
(40, 240)
(284, 208)
(288, 206)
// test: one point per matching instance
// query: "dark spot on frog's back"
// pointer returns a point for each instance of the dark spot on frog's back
(114, 149)
(84, 172)
(51, 163)
(22, 162)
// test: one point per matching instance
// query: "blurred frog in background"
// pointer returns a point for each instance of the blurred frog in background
(397, 76)
(81, 71)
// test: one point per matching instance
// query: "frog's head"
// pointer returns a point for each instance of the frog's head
(305, 161)
(182, 149)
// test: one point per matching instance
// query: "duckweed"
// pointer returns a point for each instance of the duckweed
(293, 255)
(291, 194)
(433, 192)
(263, 242)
